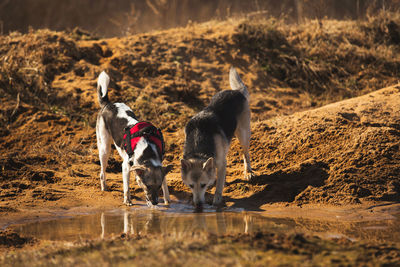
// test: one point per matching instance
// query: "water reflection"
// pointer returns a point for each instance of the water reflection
(139, 222)
(147, 221)
(180, 219)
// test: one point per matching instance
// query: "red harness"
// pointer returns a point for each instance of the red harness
(146, 130)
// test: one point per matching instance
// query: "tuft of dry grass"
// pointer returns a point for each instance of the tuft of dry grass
(29, 63)
(328, 59)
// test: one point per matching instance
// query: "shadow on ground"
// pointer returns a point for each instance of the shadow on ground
(280, 186)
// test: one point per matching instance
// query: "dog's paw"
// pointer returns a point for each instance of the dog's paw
(128, 203)
(167, 202)
(220, 205)
(218, 201)
(104, 188)
(151, 206)
(249, 176)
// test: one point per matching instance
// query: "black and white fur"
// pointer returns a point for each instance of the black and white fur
(112, 120)
(208, 137)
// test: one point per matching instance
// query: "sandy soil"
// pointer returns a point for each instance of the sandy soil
(343, 153)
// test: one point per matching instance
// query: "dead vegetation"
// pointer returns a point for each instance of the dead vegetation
(330, 59)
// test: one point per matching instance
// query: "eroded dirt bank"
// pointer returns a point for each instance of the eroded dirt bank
(343, 153)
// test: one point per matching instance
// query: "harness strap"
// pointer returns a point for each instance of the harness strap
(127, 144)
(150, 132)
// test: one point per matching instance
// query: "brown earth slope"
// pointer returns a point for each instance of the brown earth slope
(342, 153)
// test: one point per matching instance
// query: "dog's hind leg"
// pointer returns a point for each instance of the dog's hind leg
(164, 187)
(243, 133)
(104, 146)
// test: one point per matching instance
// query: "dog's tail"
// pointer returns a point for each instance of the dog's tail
(236, 82)
(102, 88)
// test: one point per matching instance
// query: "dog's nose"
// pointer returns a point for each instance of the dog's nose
(154, 195)
(198, 207)
(154, 201)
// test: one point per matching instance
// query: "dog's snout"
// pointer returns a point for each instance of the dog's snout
(198, 200)
(154, 201)
(198, 207)
(153, 196)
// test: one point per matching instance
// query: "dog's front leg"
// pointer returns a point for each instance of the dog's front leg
(221, 172)
(164, 187)
(125, 179)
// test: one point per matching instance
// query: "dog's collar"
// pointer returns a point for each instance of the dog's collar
(144, 129)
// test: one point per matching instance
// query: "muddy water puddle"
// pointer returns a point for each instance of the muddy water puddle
(180, 219)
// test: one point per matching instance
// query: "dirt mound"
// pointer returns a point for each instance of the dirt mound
(342, 153)
(329, 57)
(346, 152)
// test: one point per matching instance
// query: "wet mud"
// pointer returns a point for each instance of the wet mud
(180, 219)
(177, 235)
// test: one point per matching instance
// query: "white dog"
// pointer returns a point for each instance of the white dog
(140, 145)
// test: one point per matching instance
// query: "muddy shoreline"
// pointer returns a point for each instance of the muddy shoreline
(281, 235)
(352, 213)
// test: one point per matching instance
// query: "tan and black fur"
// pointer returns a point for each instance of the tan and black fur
(208, 137)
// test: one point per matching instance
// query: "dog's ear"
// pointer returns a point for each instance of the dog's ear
(208, 166)
(167, 169)
(185, 165)
(140, 170)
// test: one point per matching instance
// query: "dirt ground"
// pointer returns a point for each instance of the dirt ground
(308, 146)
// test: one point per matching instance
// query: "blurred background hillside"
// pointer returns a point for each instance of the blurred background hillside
(121, 17)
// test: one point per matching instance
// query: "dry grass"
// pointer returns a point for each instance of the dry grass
(329, 59)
